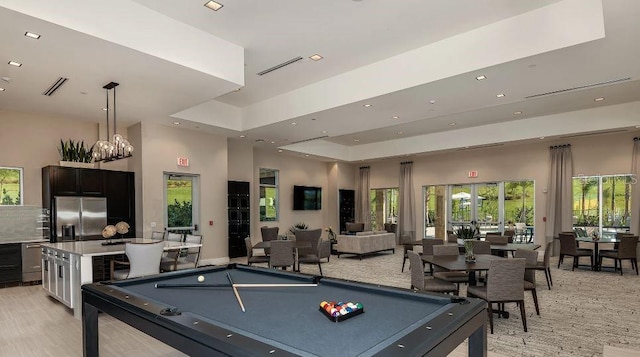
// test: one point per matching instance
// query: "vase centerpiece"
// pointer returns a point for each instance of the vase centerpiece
(467, 234)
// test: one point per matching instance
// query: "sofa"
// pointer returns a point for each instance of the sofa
(366, 242)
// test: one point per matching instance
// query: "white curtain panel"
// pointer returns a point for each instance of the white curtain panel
(635, 189)
(363, 206)
(406, 213)
(560, 192)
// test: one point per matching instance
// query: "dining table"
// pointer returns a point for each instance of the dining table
(596, 247)
(458, 263)
(297, 245)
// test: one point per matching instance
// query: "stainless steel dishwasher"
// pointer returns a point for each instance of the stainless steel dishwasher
(31, 262)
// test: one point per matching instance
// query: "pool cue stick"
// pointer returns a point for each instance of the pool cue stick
(161, 285)
(235, 291)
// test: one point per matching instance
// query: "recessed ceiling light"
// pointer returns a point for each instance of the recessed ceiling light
(83, 92)
(273, 142)
(396, 117)
(313, 119)
(517, 113)
(14, 63)
(215, 6)
(243, 136)
(324, 132)
(104, 109)
(356, 140)
(481, 77)
(294, 123)
(1, 89)
(432, 101)
(401, 133)
(176, 123)
(316, 57)
(32, 35)
(500, 95)
(307, 155)
(599, 99)
(368, 105)
(279, 150)
(637, 126)
(542, 137)
(452, 124)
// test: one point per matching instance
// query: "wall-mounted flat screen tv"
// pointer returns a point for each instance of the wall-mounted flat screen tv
(307, 198)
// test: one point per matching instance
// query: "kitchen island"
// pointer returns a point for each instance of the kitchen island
(67, 266)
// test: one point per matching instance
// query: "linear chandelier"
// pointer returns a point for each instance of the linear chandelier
(119, 147)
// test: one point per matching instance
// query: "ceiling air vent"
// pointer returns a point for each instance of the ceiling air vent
(580, 87)
(594, 133)
(55, 86)
(479, 147)
(311, 139)
(283, 64)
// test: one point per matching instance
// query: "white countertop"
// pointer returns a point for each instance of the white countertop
(95, 247)
(24, 240)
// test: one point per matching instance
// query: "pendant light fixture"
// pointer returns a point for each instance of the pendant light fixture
(119, 147)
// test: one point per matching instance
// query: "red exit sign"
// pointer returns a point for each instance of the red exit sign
(183, 161)
(473, 174)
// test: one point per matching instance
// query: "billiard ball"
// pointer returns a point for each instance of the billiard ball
(200, 278)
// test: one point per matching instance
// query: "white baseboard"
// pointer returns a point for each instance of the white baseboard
(214, 261)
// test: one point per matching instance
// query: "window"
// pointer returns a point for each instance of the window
(181, 198)
(602, 204)
(518, 202)
(384, 207)
(268, 195)
(10, 186)
(434, 210)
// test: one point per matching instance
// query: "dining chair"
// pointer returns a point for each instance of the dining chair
(569, 246)
(531, 258)
(310, 255)
(544, 264)
(186, 258)
(506, 285)
(520, 230)
(627, 250)
(144, 259)
(427, 249)
(496, 238)
(251, 259)
(172, 255)
(282, 254)
(420, 282)
(480, 247)
(510, 234)
(456, 277)
(268, 234)
(452, 238)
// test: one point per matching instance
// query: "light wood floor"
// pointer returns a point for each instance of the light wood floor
(35, 325)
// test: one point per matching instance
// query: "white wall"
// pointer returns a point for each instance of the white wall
(31, 141)
(207, 154)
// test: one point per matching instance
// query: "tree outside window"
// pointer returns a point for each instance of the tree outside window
(10, 186)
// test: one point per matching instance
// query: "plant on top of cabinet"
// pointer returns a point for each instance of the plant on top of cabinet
(75, 152)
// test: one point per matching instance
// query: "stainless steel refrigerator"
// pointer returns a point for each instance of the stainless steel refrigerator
(79, 218)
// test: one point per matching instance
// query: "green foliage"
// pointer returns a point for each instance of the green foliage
(75, 151)
(465, 233)
(298, 227)
(6, 199)
(179, 214)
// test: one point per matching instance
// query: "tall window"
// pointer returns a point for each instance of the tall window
(268, 195)
(181, 197)
(10, 186)
(434, 210)
(602, 204)
(384, 207)
(518, 202)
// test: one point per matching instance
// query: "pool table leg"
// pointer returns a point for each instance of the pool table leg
(90, 344)
(478, 342)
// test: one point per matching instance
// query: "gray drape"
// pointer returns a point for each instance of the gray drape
(406, 214)
(363, 206)
(560, 193)
(635, 191)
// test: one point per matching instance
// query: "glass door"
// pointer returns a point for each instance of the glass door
(384, 207)
(435, 212)
(460, 203)
(488, 210)
(181, 194)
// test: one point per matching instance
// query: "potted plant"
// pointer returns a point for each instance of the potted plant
(75, 154)
(298, 227)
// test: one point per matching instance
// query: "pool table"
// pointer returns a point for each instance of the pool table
(283, 321)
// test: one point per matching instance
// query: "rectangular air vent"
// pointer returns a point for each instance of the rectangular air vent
(311, 139)
(269, 70)
(580, 87)
(55, 86)
(594, 133)
(479, 147)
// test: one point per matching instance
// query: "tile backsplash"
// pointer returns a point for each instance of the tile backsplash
(23, 223)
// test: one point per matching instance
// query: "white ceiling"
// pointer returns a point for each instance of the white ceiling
(398, 58)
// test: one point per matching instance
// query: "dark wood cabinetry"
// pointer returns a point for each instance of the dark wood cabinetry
(117, 186)
(347, 207)
(239, 217)
(10, 263)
